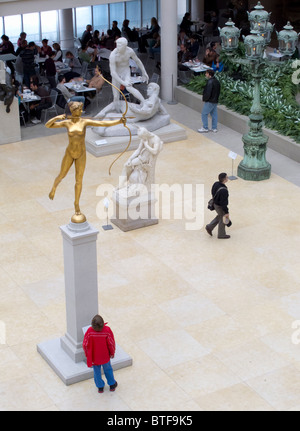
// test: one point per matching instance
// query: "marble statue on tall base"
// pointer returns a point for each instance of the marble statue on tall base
(134, 197)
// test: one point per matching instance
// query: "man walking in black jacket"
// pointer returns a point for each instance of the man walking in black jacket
(220, 195)
(211, 94)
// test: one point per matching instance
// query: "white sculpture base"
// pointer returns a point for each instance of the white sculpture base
(71, 372)
(65, 355)
(133, 212)
(10, 123)
(103, 146)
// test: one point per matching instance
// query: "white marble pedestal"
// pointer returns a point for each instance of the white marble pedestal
(10, 123)
(133, 212)
(65, 355)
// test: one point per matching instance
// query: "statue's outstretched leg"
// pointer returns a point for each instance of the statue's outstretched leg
(65, 166)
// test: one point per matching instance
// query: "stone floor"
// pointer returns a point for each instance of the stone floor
(210, 325)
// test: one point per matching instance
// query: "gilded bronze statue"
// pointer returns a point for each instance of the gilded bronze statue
(76, 150)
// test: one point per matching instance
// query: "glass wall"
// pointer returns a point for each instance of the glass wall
(31, 26)
(49, 26)
(41, 25)
(12, 27)
(149, 10)
(133, 13)
(83, 18)
(100, 18)
(117, 13)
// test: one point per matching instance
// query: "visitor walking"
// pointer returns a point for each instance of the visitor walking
(220, 195)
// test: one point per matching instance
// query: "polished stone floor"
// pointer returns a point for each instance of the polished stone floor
(209, 324)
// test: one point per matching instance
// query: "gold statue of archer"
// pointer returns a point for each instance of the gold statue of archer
(76, 151)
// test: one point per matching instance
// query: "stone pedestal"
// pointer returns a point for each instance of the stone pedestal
(99, 146)
(65, 355)
(10, 123)
(133, 212)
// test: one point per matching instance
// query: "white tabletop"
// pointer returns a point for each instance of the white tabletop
(7, 57)
(79, 88)
(28, 97)
(275, 54)
(197, 67)
(104, 53)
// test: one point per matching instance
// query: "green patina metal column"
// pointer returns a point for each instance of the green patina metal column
(254, 166)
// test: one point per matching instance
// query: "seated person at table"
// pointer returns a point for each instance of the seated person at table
(143, 41)
(68, 95)
(131, 35)
(193, 45)
(182, 38)
(83, 55)
(183, 56)
(96, 38)
(92, 50)
(58, 52)
(211, 57)
(109, 41)
(45, 49)
(96, 81)
(186, 23)
(45, 102)
(7, 47)
(75, 66)
(50, 70)
(155, 48)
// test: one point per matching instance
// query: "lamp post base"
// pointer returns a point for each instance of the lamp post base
(254, 174)
(254, 166)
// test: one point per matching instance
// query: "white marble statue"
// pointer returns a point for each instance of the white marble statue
(139, 170)
(121, 73)
(151, 106)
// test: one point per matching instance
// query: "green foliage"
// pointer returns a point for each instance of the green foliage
(277, 93)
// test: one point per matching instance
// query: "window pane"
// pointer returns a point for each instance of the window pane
(117, 14)
(1, 25)
(49, 26)
(31, 26)
(83, 18)
(181, 10)
(12, 27)
(133, 13)
(149, 11)
(158, 11)
(100, 17)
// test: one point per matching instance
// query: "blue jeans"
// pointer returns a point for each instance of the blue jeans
(109, 374)
(210, 108)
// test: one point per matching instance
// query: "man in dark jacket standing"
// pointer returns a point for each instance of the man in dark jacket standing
(220, 195)
(211, 93)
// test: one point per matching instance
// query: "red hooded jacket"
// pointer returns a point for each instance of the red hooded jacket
(99, 346)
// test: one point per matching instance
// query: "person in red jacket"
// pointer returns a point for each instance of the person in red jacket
(99, 346)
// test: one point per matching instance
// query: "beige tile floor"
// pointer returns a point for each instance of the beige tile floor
(207, 322)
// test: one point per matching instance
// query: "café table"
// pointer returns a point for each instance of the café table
(7, 57)
(79, 87)
(103, 53)
(27, 98)
(197, 67)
